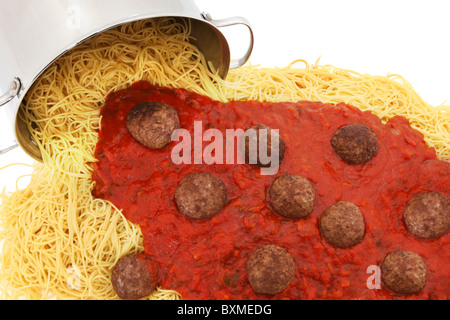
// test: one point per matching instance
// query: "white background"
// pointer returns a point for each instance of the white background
(410, 38)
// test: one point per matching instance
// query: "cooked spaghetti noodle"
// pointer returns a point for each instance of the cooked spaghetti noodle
(59, 241)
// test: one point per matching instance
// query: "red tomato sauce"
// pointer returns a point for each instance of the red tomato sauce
(206, 259)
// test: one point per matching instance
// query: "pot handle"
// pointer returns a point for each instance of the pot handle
(12, 92)
(230, 22)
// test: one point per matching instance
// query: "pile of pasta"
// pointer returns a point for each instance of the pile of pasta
(58, 241)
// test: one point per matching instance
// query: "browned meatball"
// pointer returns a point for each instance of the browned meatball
(342, 224)
(355, 143)
(152, 124)
(427, 215)
(134, 276)
(270, 269)
(252, 150)
(292, 196)
(404, 272)
(201, 195)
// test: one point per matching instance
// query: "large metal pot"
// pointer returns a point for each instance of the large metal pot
(35, 33)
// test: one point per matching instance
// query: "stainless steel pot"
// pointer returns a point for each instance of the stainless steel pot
(33, 34)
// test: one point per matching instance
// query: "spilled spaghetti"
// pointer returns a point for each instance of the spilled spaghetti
(58, 240)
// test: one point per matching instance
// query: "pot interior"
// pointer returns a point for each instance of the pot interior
(207, 38)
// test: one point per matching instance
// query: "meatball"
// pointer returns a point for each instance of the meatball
(152, 124)
(427, 215)
(270, 269)
(252, 142)
(342, 224)
(134, 276)
(292, 196)
(404, 272)
(355, 143)
(201, 196)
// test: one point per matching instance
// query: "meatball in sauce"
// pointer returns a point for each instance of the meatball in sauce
(152, 124)
(404, 272)
(270, 269)
(342, 224)
(427, 215)
(134, 276)
(292, 196)
(263, 135)
(201, 196)
(355, 143)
